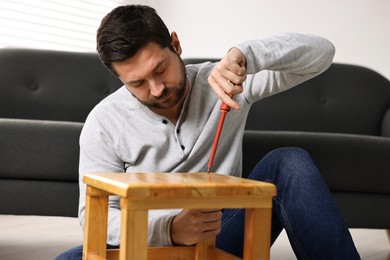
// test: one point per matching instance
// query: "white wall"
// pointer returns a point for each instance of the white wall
(359, 29)
(52, 24)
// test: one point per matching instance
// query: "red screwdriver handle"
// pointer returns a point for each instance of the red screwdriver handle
(224, 107)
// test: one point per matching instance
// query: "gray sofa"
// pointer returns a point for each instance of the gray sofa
(341, 117)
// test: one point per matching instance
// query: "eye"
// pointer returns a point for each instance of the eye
(135, 84)
(160, 70)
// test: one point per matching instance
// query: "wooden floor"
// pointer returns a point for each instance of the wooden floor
(372, 244)
(41, 238)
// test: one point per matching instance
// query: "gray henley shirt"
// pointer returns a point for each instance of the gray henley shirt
(122, 135)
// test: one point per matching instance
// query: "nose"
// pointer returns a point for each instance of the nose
(156, 88)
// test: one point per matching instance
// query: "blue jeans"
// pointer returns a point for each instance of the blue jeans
(304, 207)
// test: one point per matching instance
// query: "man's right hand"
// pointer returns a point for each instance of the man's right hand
(191, 225)
(227, 77)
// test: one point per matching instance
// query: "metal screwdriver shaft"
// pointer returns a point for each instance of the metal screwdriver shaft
(224, 110)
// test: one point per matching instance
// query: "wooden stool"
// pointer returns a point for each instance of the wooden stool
(140, 192)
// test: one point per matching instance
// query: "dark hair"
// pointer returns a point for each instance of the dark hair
(127, 29)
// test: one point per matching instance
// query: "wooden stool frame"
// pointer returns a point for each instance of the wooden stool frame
(140, 192)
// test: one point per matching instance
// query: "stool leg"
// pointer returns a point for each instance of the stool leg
(95, 223)
(257, 239)
(201, 249)
(134, 233)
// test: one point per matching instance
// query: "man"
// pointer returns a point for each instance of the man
(164, 119)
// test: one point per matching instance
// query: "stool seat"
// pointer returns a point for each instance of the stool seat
(140, 192)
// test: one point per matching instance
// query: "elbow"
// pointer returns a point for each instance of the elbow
(328, 52)
(331, 51)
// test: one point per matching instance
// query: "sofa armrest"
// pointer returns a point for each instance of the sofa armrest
(386, 124)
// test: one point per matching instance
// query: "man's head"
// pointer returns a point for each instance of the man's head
(127, 29)
(134, 43)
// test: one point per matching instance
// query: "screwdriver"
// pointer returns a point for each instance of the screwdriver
(224, 110)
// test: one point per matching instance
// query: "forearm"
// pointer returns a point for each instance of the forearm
(293, 53)
(159, 224)
(260, 68)
(278, 63)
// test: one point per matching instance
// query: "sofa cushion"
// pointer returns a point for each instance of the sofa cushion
(348, 163)
(39, 197)
(39, 150)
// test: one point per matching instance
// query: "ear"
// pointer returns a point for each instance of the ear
(176, 43)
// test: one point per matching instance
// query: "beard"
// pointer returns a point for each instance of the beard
(174, 93)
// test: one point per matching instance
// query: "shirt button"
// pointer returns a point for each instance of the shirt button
(165, 122)
(182, 147)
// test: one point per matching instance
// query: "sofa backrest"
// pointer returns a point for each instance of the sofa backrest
(65, 86)
(344, 99)
(52, 85)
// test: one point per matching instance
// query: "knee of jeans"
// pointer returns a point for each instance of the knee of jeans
(286, 162)
(291, 153)
(292, 157)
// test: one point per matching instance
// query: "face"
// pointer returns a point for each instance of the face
(155, 76)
